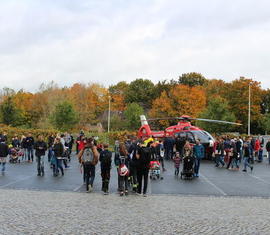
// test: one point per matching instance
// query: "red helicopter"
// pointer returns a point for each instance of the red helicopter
(183, 129)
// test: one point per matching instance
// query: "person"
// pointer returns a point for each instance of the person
(143, 162)
(179, 144)
(123, 168)
(177, 161)
(3, 154)
(219, 152)
(239, 148)
(57, 157)
(246, 157)
(160, 154)
(89, 156)
(116, 162)
(227, 149)
(257, 148)
(16, 142)
(133, 164)
(41, 148)
(234, 158)
(198, 151)
(24, 147)
(105, 166)
(30, 144)
(168, 146)
(268, 150)
(50, 144)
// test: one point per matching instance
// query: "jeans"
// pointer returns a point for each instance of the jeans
(58, 166)
(176, 171)
(260, 157)
(235, 162)
(90, 171)
(40, 164)
(105, 175)
(246, 163)
(168, 153)
(30, 153)
(219, 160)
(197, 166)
(50, 154)
(123, 183)
(142, 174)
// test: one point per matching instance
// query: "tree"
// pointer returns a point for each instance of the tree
(117, 96)
(181, 100)
(192, 79)
(64, 117)
(132, 115)
(217, 109)
(237, 96)
(140, 91)
(10, 114)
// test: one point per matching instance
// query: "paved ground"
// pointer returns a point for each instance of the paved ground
(41, 212)
(212, 181)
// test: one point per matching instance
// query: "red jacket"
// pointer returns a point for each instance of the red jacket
(257, 146)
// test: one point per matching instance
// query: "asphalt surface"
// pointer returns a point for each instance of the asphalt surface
(212, 181)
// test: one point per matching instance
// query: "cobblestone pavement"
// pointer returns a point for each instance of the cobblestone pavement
(42, 212)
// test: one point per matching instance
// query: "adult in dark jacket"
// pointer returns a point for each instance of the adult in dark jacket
(246, 157)
(30, 145)
(105, 159)
(199, 152)
(168, 147)
(143, 162)
(58, 150)
(3, 154)
(133, 164)
(16, 142)
(50, 146)
(268, 149)
(41, 148)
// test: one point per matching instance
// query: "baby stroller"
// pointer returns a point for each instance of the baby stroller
(188, 168)
(14, 155)
(155, 170)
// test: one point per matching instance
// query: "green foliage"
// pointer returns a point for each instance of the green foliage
(117, 123)
(132, 115)
(217, 109)
(140, 91)
(119, 88)
(10, 114)
(192, 79)
(64, 117)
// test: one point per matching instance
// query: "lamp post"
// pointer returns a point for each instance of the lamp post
(249, 91)
(109, 114)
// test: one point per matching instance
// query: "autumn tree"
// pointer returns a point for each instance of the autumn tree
(181, 100)
(117, 93)
(237, 96)
(217, 109)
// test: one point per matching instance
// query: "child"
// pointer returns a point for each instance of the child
(177, 161)
(105, 164)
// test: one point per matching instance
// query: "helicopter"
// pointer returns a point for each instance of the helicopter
(183, 129)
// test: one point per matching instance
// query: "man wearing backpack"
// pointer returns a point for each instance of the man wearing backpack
(41, 148)
(105, 159)
(88, 156)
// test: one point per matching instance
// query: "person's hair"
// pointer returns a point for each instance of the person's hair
(106, 146)
(123, 150)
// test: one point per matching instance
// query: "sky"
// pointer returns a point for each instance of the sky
(107, 41)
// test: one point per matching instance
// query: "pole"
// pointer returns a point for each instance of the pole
(249, 91)
(109, 114)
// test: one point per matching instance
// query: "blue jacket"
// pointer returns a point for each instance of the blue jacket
(198, 151)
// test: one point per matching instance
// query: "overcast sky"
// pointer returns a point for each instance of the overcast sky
(108, 41)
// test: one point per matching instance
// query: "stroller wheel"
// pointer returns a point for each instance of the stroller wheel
(161, 178)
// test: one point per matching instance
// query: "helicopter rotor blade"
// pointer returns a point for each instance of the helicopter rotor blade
(216, 121)
(158, 119)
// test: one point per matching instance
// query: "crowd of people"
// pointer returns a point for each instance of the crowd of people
(134, 160)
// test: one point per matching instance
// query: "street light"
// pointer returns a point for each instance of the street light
(109, 114)
(249, 91)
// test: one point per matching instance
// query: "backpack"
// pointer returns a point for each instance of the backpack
(123, 169)
(88, 155)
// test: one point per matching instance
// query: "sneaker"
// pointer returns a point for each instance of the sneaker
(121, 194)
(106, 193)
(38, 174)
(138, 194)
(145, 195)
(244, 170)
(126, 192)
(251, 168)
(90, 188)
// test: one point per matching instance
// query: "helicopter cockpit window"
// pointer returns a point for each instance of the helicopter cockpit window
(181, 135)
(201, 135)
(190, 137)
